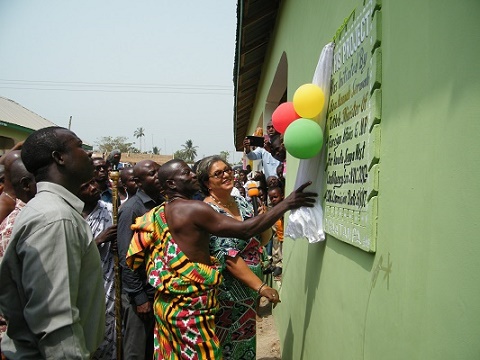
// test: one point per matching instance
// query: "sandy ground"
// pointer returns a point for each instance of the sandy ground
(268, 343)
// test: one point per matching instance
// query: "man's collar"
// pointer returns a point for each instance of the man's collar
(59, 190)
(144, 196)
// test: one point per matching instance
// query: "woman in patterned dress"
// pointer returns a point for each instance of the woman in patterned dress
(240, 263)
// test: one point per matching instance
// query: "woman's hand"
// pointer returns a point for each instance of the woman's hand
(271, 294)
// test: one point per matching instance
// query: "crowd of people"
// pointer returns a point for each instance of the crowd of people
(192, 244)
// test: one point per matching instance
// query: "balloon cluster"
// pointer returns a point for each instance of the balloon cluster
(302, 135)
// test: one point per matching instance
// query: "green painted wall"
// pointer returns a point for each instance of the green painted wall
(418, 296)
(16, 133)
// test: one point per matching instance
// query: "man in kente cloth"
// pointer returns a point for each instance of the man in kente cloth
(172, 242)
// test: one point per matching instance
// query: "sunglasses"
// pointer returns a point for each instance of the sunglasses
(101, 167)
(219, 173)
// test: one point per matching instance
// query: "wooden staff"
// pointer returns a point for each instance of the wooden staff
(114, 176)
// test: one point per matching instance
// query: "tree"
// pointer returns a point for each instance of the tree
(224, 155)
(179, 154)
(107, 143)
(189, 151)
(156, 150)
(139, 133)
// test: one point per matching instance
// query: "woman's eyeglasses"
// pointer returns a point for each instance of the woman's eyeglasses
(219, 173)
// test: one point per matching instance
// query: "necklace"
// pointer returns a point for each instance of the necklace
(170, 200)
(229, 204)
(10, 196)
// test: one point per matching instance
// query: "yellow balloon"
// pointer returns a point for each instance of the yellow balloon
(308, 101)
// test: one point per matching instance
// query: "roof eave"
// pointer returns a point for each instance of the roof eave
(255, 22)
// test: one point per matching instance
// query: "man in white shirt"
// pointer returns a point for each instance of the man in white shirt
(269, 162)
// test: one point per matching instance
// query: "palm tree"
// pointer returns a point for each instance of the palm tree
(189, 151)
(139, 133)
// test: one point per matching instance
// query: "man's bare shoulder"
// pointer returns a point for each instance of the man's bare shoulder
(189, 206)
(188, 215)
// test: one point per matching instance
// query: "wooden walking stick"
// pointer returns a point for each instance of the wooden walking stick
(114, 176)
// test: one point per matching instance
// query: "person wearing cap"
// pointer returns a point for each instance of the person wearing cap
(269, 162)
(114, 158)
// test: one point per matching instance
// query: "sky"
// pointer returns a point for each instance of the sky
(114, 66)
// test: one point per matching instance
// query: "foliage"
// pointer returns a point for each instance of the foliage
(189, 152)
(224, 155)
(179, 154)
(156, 150)
(139, 133)
(107, 143)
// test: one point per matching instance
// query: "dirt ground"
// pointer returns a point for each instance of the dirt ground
(268, 342)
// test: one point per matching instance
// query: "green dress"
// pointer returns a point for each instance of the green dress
(236, 319)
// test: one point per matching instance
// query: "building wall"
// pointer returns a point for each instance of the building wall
(10, 137)
(417, 296)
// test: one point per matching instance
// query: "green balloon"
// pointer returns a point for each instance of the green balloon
(303, 138)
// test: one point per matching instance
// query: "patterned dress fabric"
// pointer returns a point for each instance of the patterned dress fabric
(186, 293)
(236, 319)
(99, 220)
(6, 228)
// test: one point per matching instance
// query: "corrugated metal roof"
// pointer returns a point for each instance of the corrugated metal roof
(15, 114)
(255, 22)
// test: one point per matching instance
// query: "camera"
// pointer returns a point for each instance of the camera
(256, 140)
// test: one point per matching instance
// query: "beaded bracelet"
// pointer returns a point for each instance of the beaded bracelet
(261, 287)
